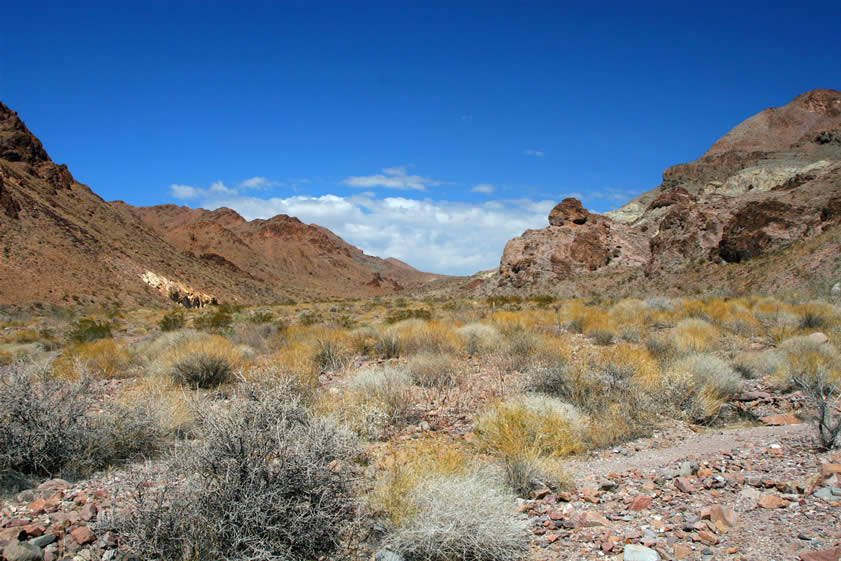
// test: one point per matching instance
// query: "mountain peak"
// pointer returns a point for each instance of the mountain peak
(781, 128)
(17, 143)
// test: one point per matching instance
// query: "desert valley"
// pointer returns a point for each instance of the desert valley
(660, 381)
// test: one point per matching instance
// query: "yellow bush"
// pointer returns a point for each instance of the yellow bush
(104, 358)
(695, 335)
(401, 468)
(530, 427)
(431, 336)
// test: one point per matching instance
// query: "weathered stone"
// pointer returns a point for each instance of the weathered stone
(54, 485)
(43, 541)
(88, 512)
(818, 338)
(779, 420)
(635, 552)
(640, 502)
(684, 484)
(591, 520)
(833, 554)
(682, 551)
(771, 502)
(83, 535)
(725, 516)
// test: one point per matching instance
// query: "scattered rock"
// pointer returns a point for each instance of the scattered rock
(83, 535)
(833, 554)
(723, 516)
(640, 502)
(771, 502)
(635, 552)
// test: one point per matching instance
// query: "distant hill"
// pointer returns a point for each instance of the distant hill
(60, 243)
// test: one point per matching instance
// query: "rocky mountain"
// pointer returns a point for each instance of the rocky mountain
(60, 243)
(770, 183)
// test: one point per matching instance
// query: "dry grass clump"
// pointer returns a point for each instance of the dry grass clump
(402, 468)
(103, 358)
(700, 384)
(201, 370)
(332, 350)
(417, 336)
(266, 479)
(446, 526)
(817, 316)
(432, 370)
(479, 338)
(374, 399)
(530, 426)
(616, 389)
(695, 335)
(363, 340)
(805, 354)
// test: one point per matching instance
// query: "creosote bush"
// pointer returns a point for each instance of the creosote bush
(172, 320)
(47, 426)
(89, 329)
(267, 479)
(446, 525)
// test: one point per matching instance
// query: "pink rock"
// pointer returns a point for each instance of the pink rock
(722, 516)
(771, 502)
(833, 554)
(684, 484)
(54, 485)
(88, 512)
(640, 502)
(83, 535)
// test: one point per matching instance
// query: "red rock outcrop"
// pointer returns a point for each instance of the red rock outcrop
(772, 181)
(575, 241)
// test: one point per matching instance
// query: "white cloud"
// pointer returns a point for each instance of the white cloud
(483, 188)
(257, 182)
(219, 188)
(538, 153)
(436, 236)
(185, 191)
(392, 178)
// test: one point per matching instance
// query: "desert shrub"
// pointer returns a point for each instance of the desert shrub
(661, 347)
(387, 343)
(700, 384)
(479, 337)
(363, 340)
(48, 426)
(266, 479)
(202, 370)
(602, 337)
(418, 336)
(525, 475)
(530, 426)
(445, 525)
(258, 336)
(695, 335)
(432, 370)
(798, 352)
(88, 329)
(615, 388)
(548, 377)
(260, 317)
(172, 320)
(376, 398)
(402, 467)
(396, 316)
(217, 320)
(820, 380)
(332, 351)
(104, 358)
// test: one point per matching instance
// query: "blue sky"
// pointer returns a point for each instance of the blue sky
(428, 131)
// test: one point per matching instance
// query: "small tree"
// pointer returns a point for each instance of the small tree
(822, 385)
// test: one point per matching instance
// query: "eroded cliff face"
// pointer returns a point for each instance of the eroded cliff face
(575, 241)
(773, 180)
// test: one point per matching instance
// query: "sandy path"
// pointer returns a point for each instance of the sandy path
(693, 444)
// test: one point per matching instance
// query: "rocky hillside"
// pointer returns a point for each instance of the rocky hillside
(280, 251)
(60, 243)
(770, 184)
